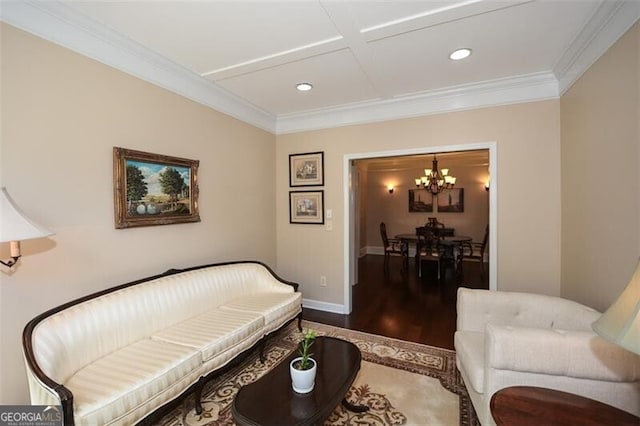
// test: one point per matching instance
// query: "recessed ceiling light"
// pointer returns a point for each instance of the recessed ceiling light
(458, 54)
(304, 87)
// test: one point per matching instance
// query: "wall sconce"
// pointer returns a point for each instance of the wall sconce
(486, 184)
(15, 226)
(390, 189)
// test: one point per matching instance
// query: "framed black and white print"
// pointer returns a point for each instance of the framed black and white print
(306, 169)
(306, 207)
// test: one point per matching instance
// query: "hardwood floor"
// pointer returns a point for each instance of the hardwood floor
(404, 306)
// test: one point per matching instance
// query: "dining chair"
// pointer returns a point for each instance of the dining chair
(393, 246)
(436, 227)
(428, 247)
(475, 250)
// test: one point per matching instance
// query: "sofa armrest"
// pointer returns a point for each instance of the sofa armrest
(578, 354)
(477, 308)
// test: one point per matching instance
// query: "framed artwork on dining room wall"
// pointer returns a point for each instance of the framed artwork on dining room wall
(306, 169)
(306, 207)
(153, 189)
(420, 201)
(451, 201)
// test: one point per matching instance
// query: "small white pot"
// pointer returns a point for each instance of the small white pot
(303, 381)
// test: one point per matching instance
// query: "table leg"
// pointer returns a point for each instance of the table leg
(354, 408)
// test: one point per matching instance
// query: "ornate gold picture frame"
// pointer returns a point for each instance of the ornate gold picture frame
(153, 189)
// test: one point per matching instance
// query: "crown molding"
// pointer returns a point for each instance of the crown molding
(527, 88)
(609, 22)
(59, 24)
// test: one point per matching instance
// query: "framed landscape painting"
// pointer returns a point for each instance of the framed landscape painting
(451, 201)
(153, 189)
(306, 169)
(420, 201)
(306, 207)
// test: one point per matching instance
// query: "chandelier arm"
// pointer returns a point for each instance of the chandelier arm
(434, 181)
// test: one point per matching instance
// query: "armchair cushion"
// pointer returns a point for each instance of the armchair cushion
(578, 354)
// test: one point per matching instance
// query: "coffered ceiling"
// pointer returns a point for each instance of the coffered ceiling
(367, 60)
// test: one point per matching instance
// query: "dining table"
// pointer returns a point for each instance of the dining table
(450, 244)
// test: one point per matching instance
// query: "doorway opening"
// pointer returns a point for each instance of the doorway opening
(352, 217)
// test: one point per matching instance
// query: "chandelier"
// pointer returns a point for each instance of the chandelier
(435, 181)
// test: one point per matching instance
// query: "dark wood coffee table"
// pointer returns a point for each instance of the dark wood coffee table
(528, 405)
(270, 400)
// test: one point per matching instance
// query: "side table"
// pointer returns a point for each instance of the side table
(528, 405)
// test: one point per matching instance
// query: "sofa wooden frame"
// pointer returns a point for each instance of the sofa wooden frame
(65, 394)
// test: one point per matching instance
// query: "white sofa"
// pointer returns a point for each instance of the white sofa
(506, 339)
(116, 356)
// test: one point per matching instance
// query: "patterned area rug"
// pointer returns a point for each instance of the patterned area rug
(403, 383)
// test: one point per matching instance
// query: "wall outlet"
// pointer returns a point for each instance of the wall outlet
(323, 281)
(328, 226)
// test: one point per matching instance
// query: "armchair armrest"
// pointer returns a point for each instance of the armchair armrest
(579, 354)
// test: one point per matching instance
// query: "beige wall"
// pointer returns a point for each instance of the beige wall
(600, 179)
(393, 209)
(528, 163)
(61, 115)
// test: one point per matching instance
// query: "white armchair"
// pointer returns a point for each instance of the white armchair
(506, 339)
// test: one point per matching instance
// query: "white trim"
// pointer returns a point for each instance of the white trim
(323, 306)
(493, 203)
(493, 216)
(377, 250)
(528, 88)
(606, 26)
(62, 25)
(263, 59)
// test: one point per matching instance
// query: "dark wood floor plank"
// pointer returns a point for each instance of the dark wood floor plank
(404, 306)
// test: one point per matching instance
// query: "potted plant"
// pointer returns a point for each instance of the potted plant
(303, 368)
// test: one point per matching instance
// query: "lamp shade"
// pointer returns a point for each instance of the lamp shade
(621, 322)
(14, 225)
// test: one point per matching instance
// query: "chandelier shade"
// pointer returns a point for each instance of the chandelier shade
(435, 180)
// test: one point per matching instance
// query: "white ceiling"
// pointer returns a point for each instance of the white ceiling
(368, 60)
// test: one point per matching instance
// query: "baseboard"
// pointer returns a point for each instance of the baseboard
(323, 306)
(374, 250)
